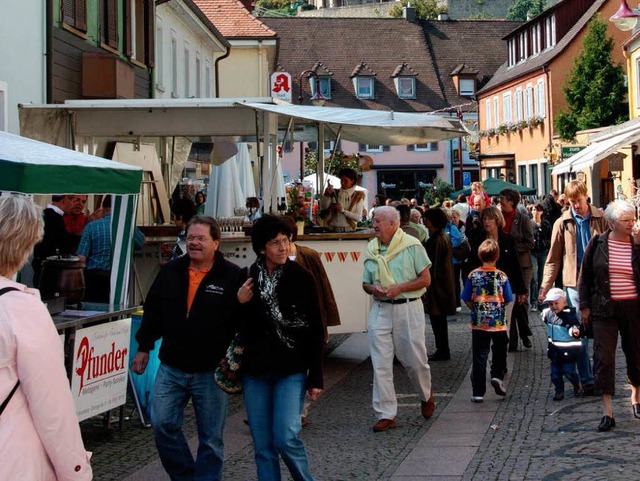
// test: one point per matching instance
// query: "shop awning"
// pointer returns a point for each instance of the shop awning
(374, 127)
(599, 149)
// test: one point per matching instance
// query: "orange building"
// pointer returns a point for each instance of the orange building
(518, 105)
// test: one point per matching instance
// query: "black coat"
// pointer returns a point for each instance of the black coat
(291, 343)
(509, 261)
(441, 295)
(197, 340)
(55, 240)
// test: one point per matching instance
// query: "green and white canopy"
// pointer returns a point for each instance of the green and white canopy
(31, 167)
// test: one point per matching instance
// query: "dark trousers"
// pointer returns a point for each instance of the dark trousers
(456, 275)
(519, 326)
(481, 342)
(441, 334)
(560, 370)
(97, 285)
(605, 340)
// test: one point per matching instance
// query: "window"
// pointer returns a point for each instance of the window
(430, 147)
(553, 29)
(550, 31)
(4, 113)
(533, 176)
(519, 116)
(187, 71)
(160, 52)
(467, 87)
(522, 174)
(174, 64)
(506, 107)
(329, 145)
(487, 106)
(198, 75)
(512, 52)
(406, 87)
(364, 87)
(540, 98)
(207, 79)
(523, 46)
(325, 86)
(109, 23)
(135, 30)
(536, 39)
(528, 102)
(373, 148)
(496, 111)
(74, 14)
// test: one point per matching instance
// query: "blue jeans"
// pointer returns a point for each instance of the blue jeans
(274, 408)
(585, 371)
(481, 341)
(538, 260)
(172, 391)
(560, 370)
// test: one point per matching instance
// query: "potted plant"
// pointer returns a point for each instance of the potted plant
(296, 208)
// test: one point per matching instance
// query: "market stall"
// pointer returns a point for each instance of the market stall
(31, 167)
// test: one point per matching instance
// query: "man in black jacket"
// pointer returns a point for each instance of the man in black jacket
(191, 307)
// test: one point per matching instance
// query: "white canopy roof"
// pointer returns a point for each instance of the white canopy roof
(377, 127)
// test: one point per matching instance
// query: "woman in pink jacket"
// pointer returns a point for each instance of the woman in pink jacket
(39, 433)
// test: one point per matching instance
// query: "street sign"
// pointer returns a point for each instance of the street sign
(281, 86)
(466, 178)
(569, 151)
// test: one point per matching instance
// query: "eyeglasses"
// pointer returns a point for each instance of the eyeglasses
(199, 238)
(279, 243)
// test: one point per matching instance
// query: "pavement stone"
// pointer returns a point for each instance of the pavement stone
(534, 438)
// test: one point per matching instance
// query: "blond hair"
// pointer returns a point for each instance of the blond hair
(21, 228)
(575, 189)
(492, 212)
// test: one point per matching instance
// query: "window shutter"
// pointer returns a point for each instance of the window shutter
(411, 148)
(362, 147)
(313, 146)
(149, 30)
(434, 146)
(81, 15)
(386, 148)
(128, 22)
(112, 23)
(67, 7)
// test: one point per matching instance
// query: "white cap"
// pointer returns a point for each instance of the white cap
(555, 294)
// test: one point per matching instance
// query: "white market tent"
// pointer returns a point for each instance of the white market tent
(31, 167)
(242, 119)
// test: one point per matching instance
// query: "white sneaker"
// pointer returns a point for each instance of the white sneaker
(498, 386)
(458, 309)
(477, 399)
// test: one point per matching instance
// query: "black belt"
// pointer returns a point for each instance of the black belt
(398, 301)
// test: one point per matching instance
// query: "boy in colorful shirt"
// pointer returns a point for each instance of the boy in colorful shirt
(487, 292)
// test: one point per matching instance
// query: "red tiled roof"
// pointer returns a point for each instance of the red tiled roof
(233, 20)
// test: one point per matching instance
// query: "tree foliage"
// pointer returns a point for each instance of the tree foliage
(440, 192)
(521, 9)
(333, 165)
(425, 9)
(595, 88)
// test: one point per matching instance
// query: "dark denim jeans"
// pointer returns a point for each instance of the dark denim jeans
(585, 370)
(172, 391)
(481, 342)
(560, 370)
(274, 408)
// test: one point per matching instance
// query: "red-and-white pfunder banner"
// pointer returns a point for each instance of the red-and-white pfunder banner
(100, 367)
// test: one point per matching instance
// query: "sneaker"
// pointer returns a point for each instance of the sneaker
(498, 386)
(526, 342)
(458, 309)
(534, 308)
(477, 399)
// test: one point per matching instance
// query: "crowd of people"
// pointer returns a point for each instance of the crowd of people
(502, 260)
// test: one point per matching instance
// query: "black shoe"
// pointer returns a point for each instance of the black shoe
(636, 410)
(588, 390)
(526, 342)
(606, 423)
(439, 356)
(558, 396)
(513, 348)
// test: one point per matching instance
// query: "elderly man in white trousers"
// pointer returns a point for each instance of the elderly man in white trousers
(396, 274)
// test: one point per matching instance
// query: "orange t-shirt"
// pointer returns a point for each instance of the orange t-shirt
(195, 278)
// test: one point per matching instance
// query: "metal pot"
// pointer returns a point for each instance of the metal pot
(62, 277)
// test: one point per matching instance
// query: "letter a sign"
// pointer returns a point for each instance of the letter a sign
(281, 86)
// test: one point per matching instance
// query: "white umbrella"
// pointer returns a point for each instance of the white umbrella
(224, 193)
(245, 171)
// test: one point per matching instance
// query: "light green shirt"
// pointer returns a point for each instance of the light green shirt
(404, 267)
(423, 232)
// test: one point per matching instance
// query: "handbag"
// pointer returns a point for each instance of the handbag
(463, 250)
(227, 374)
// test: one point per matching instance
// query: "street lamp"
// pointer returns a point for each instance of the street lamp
(318, 100)
(625, 18)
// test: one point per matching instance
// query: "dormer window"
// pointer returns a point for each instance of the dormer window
(406, 87)
(364, 87)
(325, 86)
